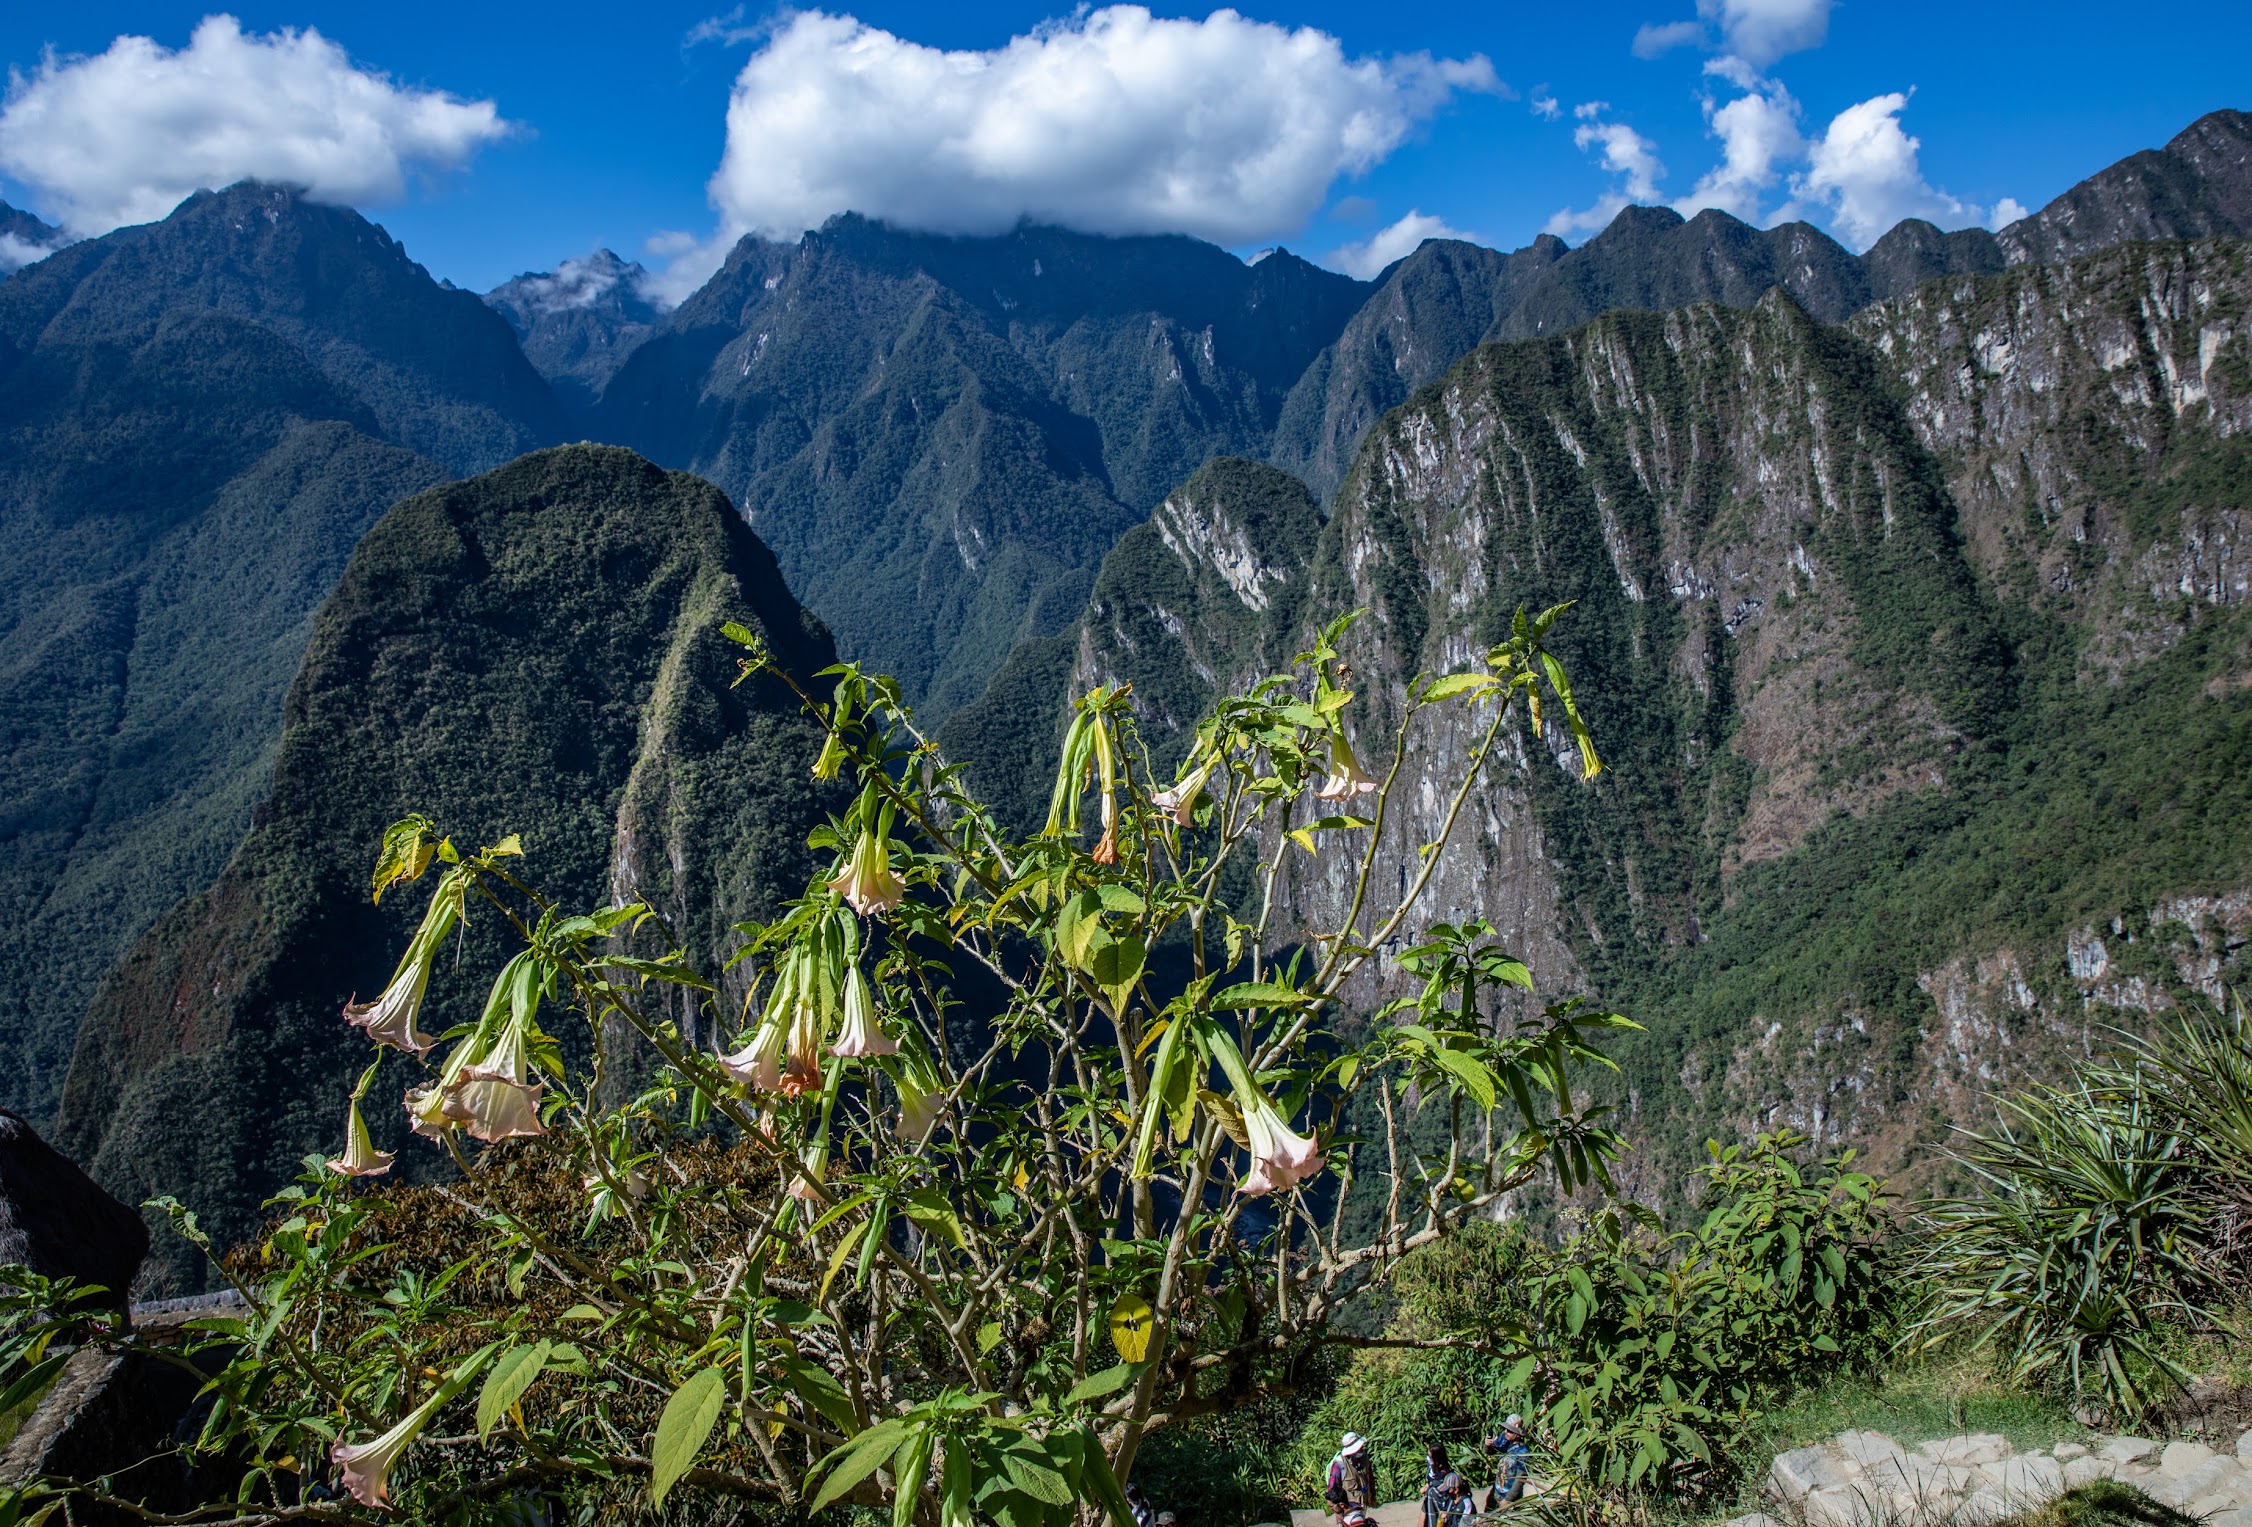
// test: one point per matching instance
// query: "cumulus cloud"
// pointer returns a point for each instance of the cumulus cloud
(1756, 31)
(1864, 170)
(1381, 248)
(1111, 122)
(2007, 211)
(1624, 153)
(123, 135)
(1653, 39)
(1758, 136)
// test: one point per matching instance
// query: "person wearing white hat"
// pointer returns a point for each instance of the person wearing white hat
(1516, 1450)
(1351, 1481)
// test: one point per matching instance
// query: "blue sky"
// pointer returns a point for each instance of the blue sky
(606, 123)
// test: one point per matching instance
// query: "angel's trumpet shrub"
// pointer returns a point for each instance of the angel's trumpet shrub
(866, 882)
(861, 1035)
(360, 1158)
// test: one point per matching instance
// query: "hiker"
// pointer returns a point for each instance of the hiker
(1516, 1450)
(1434, 1470)
(1454, 1502)
(1352, 1478)
(1145, 1514)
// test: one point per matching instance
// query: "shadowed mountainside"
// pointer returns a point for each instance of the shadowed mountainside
(198, 418)
(534, 651)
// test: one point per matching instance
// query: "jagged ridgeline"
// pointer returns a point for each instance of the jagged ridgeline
(1918, 648)
(198, 418)
(536, 651)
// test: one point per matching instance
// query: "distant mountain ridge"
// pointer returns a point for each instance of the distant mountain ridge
(24, 238)
(579, 322)
(941, 437)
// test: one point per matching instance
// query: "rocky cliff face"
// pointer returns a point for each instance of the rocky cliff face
(2198, 186)
(1876, 626)
(532, 651)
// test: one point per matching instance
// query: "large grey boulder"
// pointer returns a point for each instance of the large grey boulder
(58, 1222)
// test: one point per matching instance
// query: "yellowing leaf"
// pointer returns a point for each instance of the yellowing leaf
(1131, 1321)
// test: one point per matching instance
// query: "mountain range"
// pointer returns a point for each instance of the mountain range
(1863, 544)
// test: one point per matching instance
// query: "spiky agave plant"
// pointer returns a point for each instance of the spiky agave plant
(2084, 1244)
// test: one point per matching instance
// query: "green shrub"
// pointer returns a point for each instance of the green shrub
(1644, 1359)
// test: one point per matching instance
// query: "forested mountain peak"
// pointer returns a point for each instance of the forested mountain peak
(25, 238)
(536, 650)
(580, 321)
(439, 370)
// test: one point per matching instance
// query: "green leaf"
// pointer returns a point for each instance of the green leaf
(1095, 1385)
(505, 1385)
(735, 631)
(1117, 963)
(861, 1457)
(683, 1429)
(1458, 684)
(1035, 1478)
(1471, 1072)
(1256, 994)
(914, 1463)
(659, 970)
(819, 1388)
(32, 1380)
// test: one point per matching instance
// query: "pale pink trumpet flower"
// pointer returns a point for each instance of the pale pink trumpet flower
(861, 1035)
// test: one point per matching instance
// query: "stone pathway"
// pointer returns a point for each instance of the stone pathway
(1866, 1479)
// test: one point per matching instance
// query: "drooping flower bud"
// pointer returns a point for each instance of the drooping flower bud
(389, 1019)
(860, 1035)
(1179, 802)
(360, 1158)
(367, 1466)
(801, 1069)
(759, 1063)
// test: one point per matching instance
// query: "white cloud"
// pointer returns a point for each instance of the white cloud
(1761, 31)
(1382, 247)
(16, 252)
(1545, 106)
(122, 136)
(1654, 39)
(2007, 211)
(1626, 154)
(1758, 135)
(1755, 31)
(1111, 122)
(1864, 170)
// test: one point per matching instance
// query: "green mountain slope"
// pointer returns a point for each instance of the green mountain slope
(1184, 602)
(535, 650)
(1918, 647)
(198, 418)
(941, 437)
